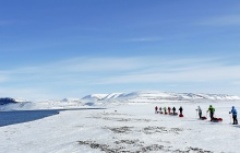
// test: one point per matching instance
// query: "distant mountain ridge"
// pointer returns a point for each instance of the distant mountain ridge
(158, 97)
(98, 100)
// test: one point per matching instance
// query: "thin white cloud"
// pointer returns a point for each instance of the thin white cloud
(210, 74)
(3, 79)
(99, 64)
(5, 22)
(79, 73)
(145, 39)
(236, 83)
(27, 93)
(80, 65)
(226, 20)
(145, 67)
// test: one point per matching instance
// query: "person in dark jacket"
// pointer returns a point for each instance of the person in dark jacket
(174, 110)
(160, 110)
(234, 115)
(181, 110)
(199, 110)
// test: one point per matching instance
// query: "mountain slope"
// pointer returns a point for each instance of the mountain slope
(159, 97)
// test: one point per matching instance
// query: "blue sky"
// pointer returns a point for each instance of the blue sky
(59, 48)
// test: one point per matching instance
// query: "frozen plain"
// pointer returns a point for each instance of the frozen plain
(131, 127)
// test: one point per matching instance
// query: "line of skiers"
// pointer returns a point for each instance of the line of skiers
(210, 110)
(169, 110)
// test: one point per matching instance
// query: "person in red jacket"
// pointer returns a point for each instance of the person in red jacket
(169, 110)
(156, 110)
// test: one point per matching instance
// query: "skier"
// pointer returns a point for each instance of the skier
(174, 110)
(180, 109)
(165, 110)
(156, 108)
(199, 110)
(211, 110)
(160, 110)
(169, 110)
(234, 115)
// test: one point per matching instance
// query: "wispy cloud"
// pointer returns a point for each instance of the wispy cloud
(226, 20)
(77, 74)
(129, 69)
(187, 75)
(99, 64)
(144, 39)
(22, 92)
(3, 77)
(236, 83)
(6, 22)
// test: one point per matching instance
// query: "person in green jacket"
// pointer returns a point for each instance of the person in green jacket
(211, 110)
(165, 110)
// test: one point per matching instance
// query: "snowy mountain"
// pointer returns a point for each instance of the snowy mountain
(159, 97)
(94, 97)
(112, 99)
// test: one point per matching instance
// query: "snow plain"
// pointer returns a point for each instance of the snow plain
(131, 127)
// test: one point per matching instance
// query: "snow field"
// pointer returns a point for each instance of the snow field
(125, 128)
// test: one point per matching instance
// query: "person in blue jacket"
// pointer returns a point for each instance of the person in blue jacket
(234, 115)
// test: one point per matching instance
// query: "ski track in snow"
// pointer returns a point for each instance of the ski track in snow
(129, 128)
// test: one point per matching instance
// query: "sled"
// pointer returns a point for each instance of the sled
(173, 114)
(203, 118)
(181, 115)
(216, 120)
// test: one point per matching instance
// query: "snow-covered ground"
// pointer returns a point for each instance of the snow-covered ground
(128, 127)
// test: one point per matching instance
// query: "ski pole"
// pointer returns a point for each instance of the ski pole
(230, 118)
